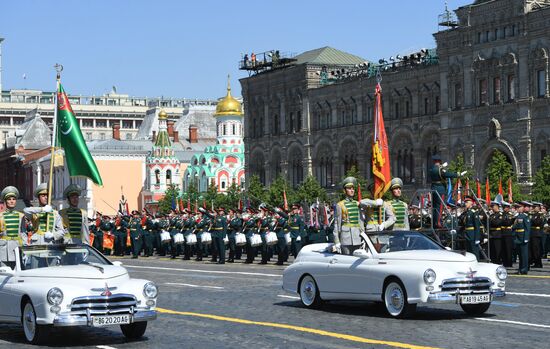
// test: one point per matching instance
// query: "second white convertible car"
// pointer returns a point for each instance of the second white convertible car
(70, 285)
(399, 269)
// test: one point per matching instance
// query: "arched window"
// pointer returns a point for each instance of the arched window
(157, 177)
(168, 177)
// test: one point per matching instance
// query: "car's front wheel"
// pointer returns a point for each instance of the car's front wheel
(309, 292)
(475, 309)
(134, 330)
(34, 333)
(395, 300)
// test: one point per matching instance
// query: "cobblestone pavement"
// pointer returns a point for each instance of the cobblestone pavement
(194, 293)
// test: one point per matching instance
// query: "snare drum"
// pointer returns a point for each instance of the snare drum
(288, 239)
(165, 237)
(206, 238)
(178, 239)
(255, 240)
(240, 239)
(191, 239)
(271, 238)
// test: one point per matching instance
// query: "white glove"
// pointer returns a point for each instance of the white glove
(380, 227)
(477, 242)
(48, 235)
(453, 232)
(525, 241)
(299, 238)
(485, 240)
(445, 164)
(336, 248)
(47, 209)
(379, 202)
(34, 237)
(463, 173)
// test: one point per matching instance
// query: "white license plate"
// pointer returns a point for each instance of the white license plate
(475, 299)
(108, 320)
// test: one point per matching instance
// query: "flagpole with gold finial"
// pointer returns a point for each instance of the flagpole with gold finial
(58, 68)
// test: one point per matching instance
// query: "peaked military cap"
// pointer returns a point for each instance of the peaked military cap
(396, 183)
(469, 198)
(9, 192)
(349, 182)
(72, 189)
(42, 188)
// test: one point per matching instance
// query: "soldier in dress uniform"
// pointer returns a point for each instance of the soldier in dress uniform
(296, 227)
(415, 218)
(438, 176)
(522, 231)
(507, 234)
(235, 226)
(546, 229)
(12, 222)
(187, 227)
(495, 233)
(249, 229)
(219, 232)
(136, 233)
(399, 208)
(264, 224)
(150, 227)
(470, 227)
(107, 236)
(378, 214)
(75, 219)
(535, 239)
(121, 234)
(201, 226)
(281, 229)
(349, 220)
(46, 222)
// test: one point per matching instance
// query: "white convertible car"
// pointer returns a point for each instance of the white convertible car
(399, 269)
(70, 285)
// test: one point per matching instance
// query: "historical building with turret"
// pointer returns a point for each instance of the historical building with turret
(483, 88)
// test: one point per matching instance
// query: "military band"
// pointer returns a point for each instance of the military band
(498, 231)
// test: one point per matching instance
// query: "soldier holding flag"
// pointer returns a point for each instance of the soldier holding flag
(75, 219)
(12, 223)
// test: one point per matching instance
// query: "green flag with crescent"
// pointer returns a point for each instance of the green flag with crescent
(78, 157)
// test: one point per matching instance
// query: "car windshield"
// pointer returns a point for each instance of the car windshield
(401, 241)
(43, 256)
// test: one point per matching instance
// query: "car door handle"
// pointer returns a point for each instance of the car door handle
(333, 261)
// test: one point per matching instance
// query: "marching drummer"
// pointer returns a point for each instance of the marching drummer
(235, 226)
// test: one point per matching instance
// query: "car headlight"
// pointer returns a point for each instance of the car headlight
(502, 274)
(150, 290)
(429, 276)
(55, 296)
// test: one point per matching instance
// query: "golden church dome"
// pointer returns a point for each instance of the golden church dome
(228, 105)
(163, 115)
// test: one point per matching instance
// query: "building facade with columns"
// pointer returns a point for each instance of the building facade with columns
(486, 89)
(221, 164)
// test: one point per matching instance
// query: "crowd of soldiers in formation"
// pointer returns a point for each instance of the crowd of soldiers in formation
(500, 230)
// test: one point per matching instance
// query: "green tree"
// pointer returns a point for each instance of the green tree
(310, 191)
(231, 198)
(275, 194)
(354, 172)
(211, 196)
(541, 186)
(500, 168)
(170, 196)
(458, 165)
(256, 192)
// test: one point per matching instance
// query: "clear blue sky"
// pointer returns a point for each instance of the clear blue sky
(182, 48)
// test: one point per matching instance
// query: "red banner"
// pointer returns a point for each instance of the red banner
(487, 192)
(380, 150)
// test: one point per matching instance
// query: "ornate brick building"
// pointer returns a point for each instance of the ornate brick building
(484, 87)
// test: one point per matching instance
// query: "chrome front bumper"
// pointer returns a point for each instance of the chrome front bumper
(454, 297)
(68, 319)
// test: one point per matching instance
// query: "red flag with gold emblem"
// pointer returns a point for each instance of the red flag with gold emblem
(380, 150)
